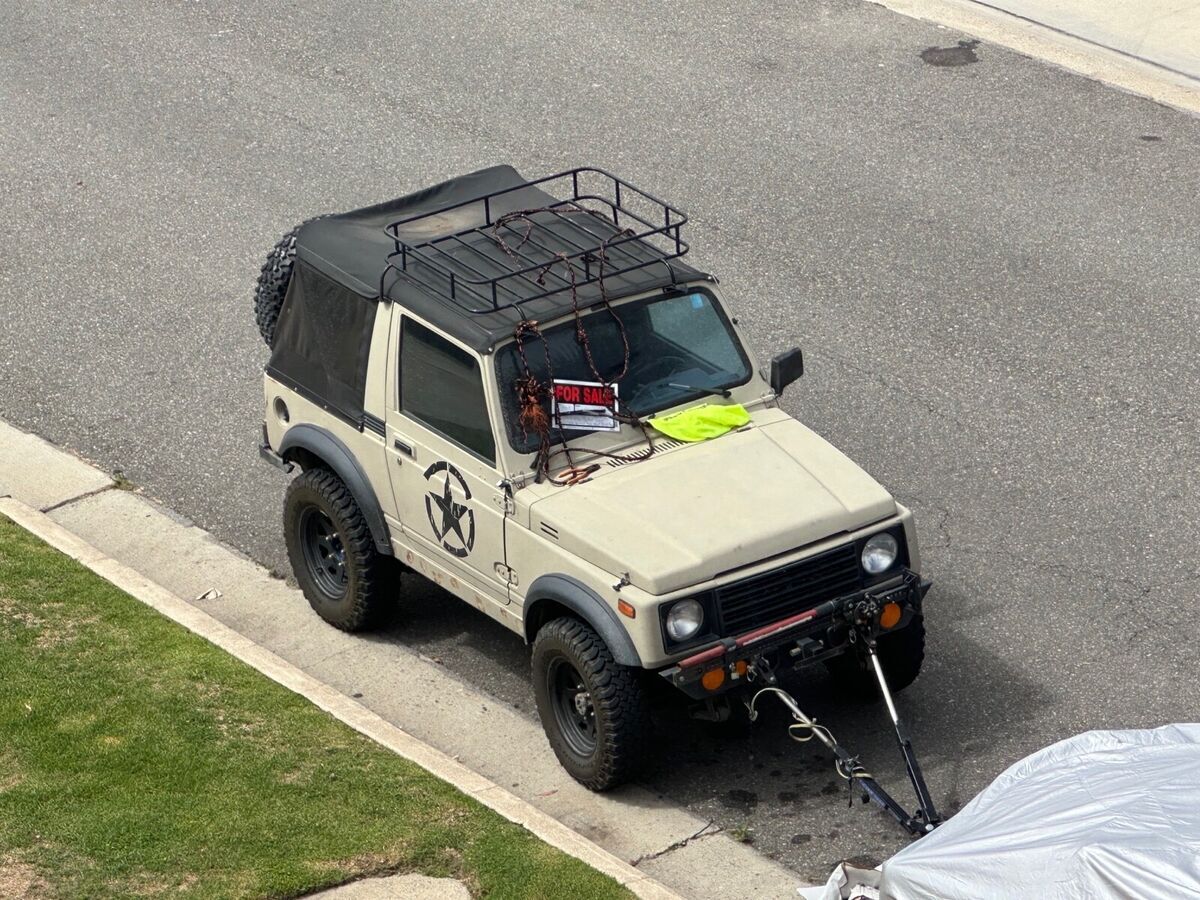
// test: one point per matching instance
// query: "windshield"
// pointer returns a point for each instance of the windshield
(681, 348)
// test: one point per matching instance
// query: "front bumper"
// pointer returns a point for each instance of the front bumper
(804, 637)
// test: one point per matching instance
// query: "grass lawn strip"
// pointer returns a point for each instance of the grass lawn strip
(137, 758)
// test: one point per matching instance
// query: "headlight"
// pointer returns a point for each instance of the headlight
(879, 552)
(684, 619)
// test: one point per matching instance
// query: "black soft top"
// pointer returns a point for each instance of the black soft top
(456, 255)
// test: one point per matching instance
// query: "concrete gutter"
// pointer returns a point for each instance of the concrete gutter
(386, 691)
(1146, 48)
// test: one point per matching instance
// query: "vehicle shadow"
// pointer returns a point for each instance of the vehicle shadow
(754, 780)
(961, 709)
(468, 642)
(758, 782)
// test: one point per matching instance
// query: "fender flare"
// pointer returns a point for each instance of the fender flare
(586, 603)
(341, 461)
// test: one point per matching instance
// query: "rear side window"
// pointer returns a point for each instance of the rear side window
(322, 342)
(441, 387)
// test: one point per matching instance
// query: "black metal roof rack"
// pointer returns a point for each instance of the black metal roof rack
(607, 227)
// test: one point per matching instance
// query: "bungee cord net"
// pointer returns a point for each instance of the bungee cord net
(537, 413)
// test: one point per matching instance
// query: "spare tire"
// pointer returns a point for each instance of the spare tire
(273, 284)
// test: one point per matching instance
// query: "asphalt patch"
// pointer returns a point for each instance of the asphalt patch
(947, 57)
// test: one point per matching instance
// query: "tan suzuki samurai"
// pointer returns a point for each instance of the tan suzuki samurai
(518, 390)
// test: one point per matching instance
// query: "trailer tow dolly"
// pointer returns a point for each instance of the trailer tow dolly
(918, 823)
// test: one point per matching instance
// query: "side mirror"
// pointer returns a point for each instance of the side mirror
(786, 368)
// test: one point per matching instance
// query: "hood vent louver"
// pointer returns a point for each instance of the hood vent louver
(659, 446)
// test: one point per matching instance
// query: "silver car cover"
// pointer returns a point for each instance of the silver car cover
(1105, 814)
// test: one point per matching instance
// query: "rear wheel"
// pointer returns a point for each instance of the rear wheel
(900, 653)
(346, 580)
(591, 707)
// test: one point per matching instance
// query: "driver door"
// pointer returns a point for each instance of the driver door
(442, 460)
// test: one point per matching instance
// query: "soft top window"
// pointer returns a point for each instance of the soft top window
(322, 342)
(441, 386)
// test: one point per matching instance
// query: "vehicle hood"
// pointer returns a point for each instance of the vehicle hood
(690, 514)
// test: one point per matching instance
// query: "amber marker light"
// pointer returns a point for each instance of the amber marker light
(890, 616)
(740, 668)
(713, 679)
(626, 609)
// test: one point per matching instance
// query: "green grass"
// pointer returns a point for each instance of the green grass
(137, 759)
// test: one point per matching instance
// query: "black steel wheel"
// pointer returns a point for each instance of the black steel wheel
(591, 707)
(324, 555)
(901, 654)
(345, 579)
(574, 712)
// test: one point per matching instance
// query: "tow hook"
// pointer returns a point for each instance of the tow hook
(761, 670)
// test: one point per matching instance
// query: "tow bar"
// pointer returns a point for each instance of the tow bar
(921, 822)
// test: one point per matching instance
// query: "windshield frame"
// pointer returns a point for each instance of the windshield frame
(627, 433)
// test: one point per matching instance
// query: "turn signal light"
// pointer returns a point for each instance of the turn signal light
(713, 679)
(890, 616)
(740, 667)
(626, 609)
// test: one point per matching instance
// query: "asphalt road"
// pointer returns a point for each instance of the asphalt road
(992, 269)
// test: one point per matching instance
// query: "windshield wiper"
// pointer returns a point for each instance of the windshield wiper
(715, 392)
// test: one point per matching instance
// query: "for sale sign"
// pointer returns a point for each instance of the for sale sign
(585, 406)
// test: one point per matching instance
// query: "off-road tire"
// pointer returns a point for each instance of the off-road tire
(616, 697)
(900, 653)
(273, 283)
(369, 575)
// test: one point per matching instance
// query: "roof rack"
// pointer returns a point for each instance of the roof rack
(521, 254)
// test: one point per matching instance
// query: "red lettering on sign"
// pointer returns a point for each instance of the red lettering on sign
(585, 395)
(598, 396)
(567, 393)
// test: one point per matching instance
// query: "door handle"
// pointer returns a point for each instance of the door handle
(404, 448)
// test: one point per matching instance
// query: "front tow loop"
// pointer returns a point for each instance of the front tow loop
(805, 728)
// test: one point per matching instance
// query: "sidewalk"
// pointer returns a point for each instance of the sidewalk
(1164, 33)
(1149, 47)
(386, 691)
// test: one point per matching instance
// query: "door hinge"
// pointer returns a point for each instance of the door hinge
(504, 502)
(505, 574)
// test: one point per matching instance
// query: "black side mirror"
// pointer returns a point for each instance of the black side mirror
(786, 368)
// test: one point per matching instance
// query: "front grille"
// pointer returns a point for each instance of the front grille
(771, 596)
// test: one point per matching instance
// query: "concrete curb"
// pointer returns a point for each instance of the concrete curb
(336, 704)
(1052, 45)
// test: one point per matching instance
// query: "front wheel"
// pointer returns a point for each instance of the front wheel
(591, 707)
